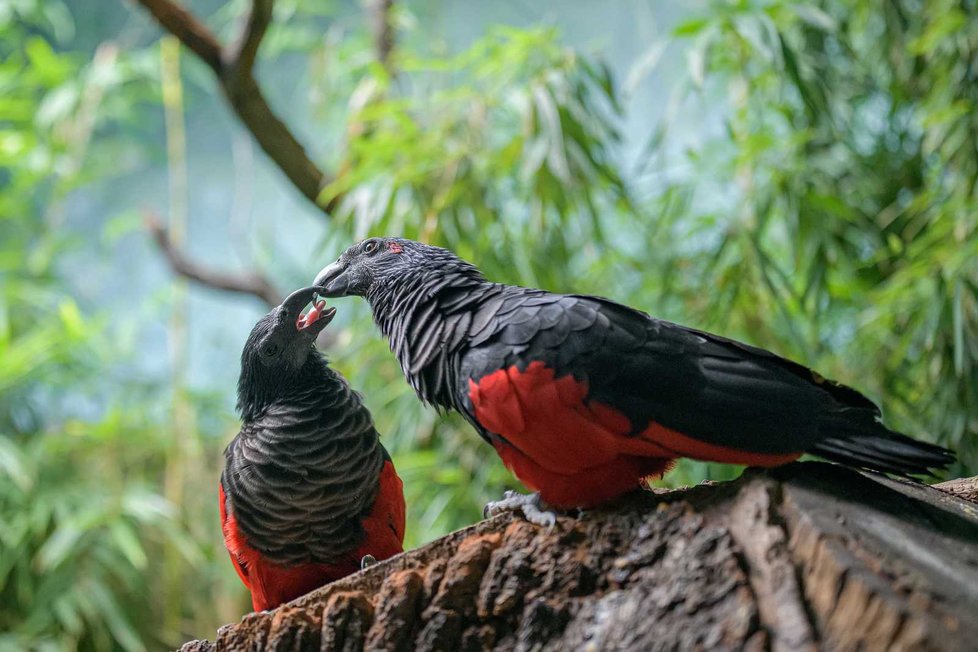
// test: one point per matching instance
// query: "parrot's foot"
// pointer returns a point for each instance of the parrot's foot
(530, 504)
(367, 561)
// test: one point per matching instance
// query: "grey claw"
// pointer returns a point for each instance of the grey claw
(538, 516)
(367, 561)
(529, 505)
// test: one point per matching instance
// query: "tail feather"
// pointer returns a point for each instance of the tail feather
(864, 441)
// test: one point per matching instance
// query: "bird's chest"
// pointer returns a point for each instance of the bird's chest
(298, 499)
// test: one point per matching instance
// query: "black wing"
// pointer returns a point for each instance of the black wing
(708, 387)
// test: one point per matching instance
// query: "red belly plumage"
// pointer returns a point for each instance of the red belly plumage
(271, 584)
(579, 453)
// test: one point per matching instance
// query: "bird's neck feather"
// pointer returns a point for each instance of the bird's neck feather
(311, 456)
(400, 303)
(260, 387)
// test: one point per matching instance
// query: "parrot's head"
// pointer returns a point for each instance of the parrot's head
(279, 348)
(377, 263)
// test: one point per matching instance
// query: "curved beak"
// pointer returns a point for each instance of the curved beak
(315, 320)
(332, 280)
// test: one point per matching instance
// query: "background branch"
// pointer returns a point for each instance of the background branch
(234, 70)
(379, 12)
(242, 58)
(192, 33)
(245, 283)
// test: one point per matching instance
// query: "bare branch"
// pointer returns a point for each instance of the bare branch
(278, 142)
(383, 31)
(242, 59)
(247, 283)
(242, 91)
(191, 32)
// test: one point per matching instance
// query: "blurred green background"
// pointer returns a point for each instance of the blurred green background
(800, 176)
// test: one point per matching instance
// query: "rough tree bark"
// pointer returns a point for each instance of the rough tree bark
(806, 557)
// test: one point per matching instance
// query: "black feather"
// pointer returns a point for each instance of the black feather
(304, 470)
(710, 388)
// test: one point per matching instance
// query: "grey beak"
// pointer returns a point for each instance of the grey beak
(295, 302)
(332, 280)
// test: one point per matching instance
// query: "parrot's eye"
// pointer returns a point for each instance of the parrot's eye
(370, 246)
(269, 349)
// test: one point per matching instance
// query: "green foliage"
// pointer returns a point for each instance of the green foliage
(849, 235)
(812, 189)
(82, 520)
(516, 125)
(79, 540)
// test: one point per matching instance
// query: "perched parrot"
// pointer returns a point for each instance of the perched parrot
(307, 490)
(584, 398)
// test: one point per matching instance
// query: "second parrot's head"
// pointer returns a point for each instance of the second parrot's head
(378, 263)
(279, 349)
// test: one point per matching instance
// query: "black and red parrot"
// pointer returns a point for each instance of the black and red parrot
(584, 398)
(308, 490)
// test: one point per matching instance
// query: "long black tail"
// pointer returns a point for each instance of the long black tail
(856, 438)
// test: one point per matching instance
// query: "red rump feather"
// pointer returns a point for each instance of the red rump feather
(271, 584)
(579, 453)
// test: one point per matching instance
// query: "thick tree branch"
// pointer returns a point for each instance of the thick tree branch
(966, 488)
(804, 557)
(234, 71)
(248, 283)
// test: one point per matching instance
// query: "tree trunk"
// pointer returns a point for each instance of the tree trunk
(805, 557)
